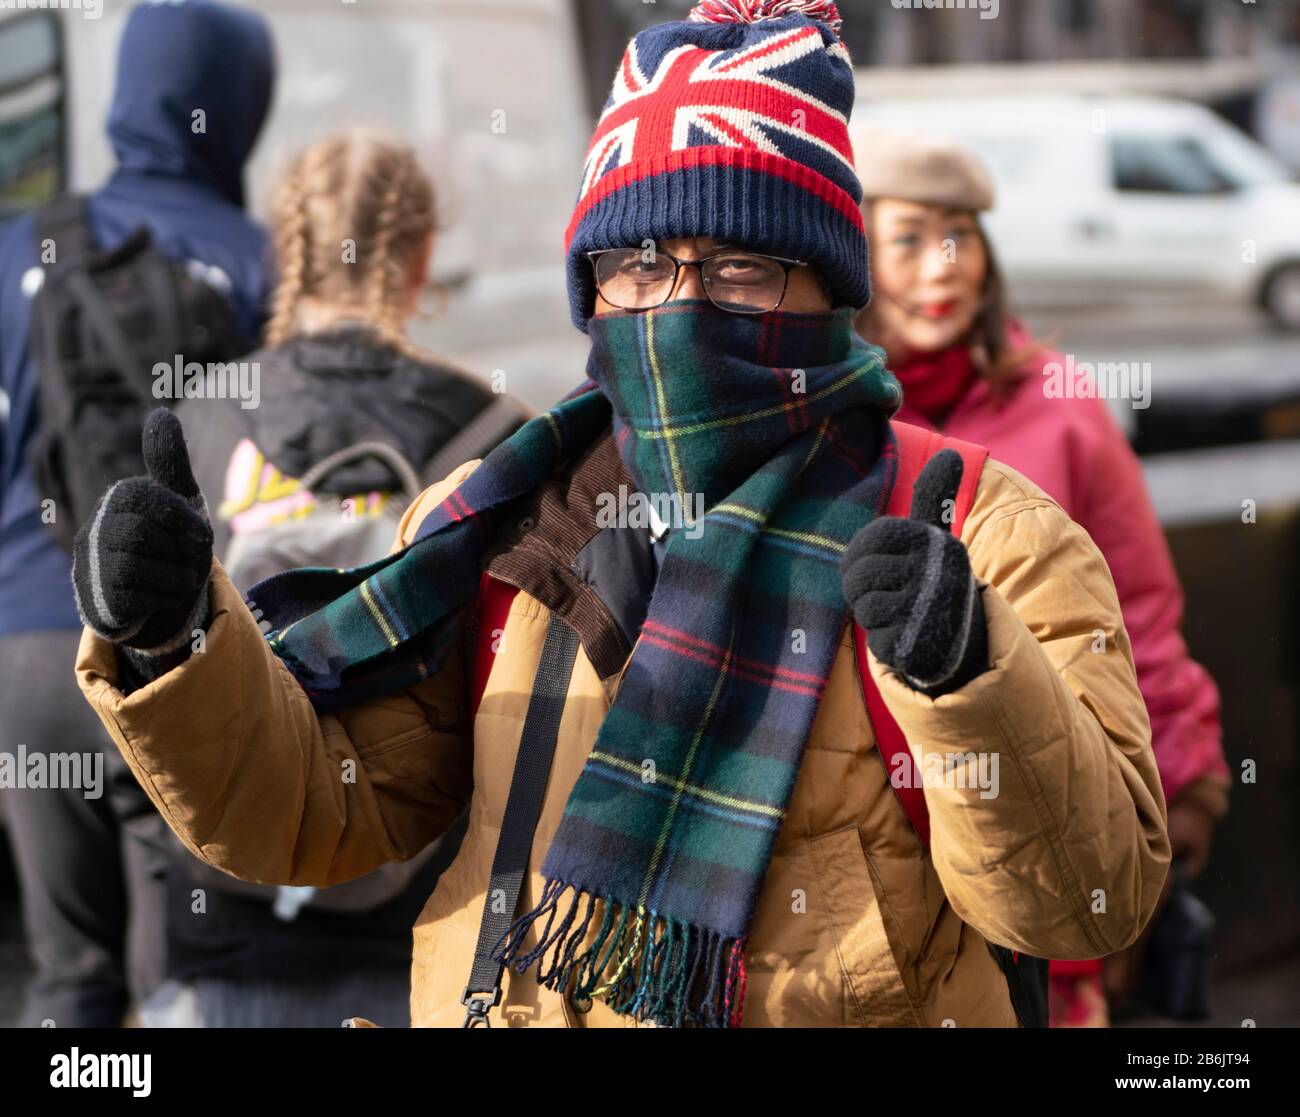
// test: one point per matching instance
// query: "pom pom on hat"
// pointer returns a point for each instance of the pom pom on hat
(699, 138)
(751, 11)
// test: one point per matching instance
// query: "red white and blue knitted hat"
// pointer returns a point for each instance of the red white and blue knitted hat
(733, 124)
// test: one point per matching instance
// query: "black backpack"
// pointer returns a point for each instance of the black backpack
(100, 323)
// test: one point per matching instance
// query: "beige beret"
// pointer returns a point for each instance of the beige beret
(920, 168)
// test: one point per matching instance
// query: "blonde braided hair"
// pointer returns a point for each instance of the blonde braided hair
(355, 187)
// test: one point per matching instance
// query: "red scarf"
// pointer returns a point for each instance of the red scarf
(933, 383)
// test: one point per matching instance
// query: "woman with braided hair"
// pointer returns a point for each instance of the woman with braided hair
(353, 226)
(767, 710)
(353, 222)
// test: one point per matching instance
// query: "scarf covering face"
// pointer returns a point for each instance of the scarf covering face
(779, 420)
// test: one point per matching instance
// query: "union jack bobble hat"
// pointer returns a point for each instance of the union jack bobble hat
(731, 124)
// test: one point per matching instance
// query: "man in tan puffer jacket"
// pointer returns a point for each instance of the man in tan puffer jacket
(856, 922)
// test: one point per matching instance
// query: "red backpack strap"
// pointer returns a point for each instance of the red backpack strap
(494, 600)
(916, 446)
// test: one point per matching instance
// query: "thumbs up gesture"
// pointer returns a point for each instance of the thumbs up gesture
(909, 584)
(140, 563)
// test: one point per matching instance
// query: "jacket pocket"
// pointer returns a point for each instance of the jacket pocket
(877, 993)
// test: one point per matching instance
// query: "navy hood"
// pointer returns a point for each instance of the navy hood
(175, 58)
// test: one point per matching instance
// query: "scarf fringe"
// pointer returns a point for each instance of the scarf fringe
(640, 963)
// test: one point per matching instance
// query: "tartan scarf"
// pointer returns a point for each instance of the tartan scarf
(780, 422)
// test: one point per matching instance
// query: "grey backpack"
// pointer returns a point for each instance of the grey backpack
(335, 532)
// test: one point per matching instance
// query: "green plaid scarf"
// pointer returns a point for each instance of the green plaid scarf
(779, 421)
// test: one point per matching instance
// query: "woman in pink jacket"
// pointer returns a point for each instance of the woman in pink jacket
(969, 369)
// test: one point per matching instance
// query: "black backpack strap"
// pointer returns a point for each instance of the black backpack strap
(164, 297)
(523, 808)
(111, 335)
(66, 221)
(1027, 980)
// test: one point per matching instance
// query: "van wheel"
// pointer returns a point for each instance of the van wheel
(1280, 296)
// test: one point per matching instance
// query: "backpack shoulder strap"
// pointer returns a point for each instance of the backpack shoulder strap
(537, 745)
(916, 446)
(65, 220)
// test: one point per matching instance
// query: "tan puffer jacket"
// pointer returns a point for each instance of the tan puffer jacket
(856, 923)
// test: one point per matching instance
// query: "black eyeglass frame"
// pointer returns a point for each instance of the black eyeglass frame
(787, 266)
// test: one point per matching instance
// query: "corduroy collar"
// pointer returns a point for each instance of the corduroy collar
(538, 551)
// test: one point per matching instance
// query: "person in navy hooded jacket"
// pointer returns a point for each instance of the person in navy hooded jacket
(91, 869)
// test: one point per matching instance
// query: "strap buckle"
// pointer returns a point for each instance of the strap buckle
(477, 1007)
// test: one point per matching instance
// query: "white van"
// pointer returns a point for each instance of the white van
(1105, 198)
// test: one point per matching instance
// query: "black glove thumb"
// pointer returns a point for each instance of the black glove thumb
(909, 584)
(165, 458)
(141, 561)
(934, 497)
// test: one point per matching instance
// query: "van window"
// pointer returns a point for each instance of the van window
(1167, 165)
(32, 123)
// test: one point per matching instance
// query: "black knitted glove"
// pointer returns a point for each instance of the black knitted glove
(909, 584)
(140, 563)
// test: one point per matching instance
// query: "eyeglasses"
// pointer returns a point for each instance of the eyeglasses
(740, 282)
